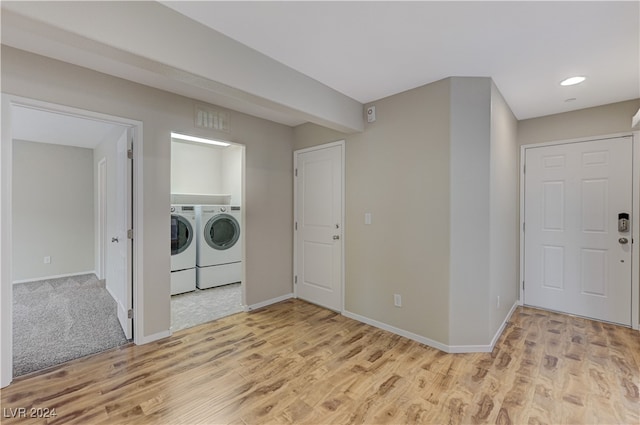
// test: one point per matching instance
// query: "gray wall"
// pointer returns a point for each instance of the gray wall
(398, 170)
(600, 120)
(504, 218)
(484, 195)
(269, 202)
(435, 170)
(470, 200)
(52, 210)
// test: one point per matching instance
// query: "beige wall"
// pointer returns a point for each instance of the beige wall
(269, 145)
(397, 170)
(504, 219)
(52, 208)
(470, 207)
(439, 154)
(597, 121)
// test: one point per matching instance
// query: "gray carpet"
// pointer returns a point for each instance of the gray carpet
(201, 306)
(58, 320)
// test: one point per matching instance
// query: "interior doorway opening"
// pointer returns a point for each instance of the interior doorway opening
(207, 230)
(62, 289)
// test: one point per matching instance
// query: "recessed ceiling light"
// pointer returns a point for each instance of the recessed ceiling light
(572, 81)
(198, 139)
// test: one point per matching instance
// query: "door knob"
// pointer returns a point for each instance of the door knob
(336, 237)
(623, 241)
(114, 239)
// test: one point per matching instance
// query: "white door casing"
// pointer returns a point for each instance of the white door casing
(318, 227)
(574, 260)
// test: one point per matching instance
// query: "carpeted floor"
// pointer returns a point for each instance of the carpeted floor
(201, 306)
(58, 320)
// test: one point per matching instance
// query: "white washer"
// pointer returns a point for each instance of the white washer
(183, 249)
(219, 248)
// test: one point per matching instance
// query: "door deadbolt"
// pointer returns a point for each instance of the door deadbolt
(623, 241)
(623, 222)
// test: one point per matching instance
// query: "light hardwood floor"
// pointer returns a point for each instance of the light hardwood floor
(297, 363)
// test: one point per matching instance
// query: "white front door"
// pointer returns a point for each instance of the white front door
(121, 265)
(318, 234)
(576, 259)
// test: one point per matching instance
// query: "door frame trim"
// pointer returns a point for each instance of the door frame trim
(341, 144)
(6, 286)
(635, 252)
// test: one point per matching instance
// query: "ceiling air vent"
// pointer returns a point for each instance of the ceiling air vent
(214, 120)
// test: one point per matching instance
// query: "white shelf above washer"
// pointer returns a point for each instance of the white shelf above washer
(201, 198)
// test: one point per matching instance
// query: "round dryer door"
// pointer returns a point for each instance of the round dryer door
(222, 231)
(181, 234)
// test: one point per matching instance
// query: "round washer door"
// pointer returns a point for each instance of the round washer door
(181, 234)
(222, 232)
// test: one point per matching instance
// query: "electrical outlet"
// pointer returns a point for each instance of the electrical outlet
(47, 260)
(397, 300)
(498, 302)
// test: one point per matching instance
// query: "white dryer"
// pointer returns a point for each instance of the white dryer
(219, 248)
(183, 249)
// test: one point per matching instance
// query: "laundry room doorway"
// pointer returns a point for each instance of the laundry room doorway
(68, 276)
(207, 231)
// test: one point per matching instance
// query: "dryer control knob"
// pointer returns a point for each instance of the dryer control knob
(222, 209)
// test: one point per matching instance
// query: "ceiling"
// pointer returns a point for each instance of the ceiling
(359, 50)
(370, 50)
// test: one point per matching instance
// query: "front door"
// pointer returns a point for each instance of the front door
(318, 227)
(577, 259)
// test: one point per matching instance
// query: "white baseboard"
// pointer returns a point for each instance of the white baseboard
(53, 277)
(418, 338)
(432, 343)
(496, 337)
(268, 302)
(154, 337)
(110, 293)
(485, 348)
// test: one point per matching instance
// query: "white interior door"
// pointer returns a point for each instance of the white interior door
(121, 261)
(318, 235)
(576, 259)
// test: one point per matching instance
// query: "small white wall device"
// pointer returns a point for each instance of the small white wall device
(371, 114)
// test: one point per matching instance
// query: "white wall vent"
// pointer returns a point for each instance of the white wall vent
(214, 120)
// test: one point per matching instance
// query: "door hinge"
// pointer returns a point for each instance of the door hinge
(130, 314)
(296, 172)
(130, 153)
(524, 169)
(523, 285)
(295, 279)
(296, 225)
(523, 226)
(130, 234)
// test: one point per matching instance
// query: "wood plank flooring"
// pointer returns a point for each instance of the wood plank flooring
(295, 363)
